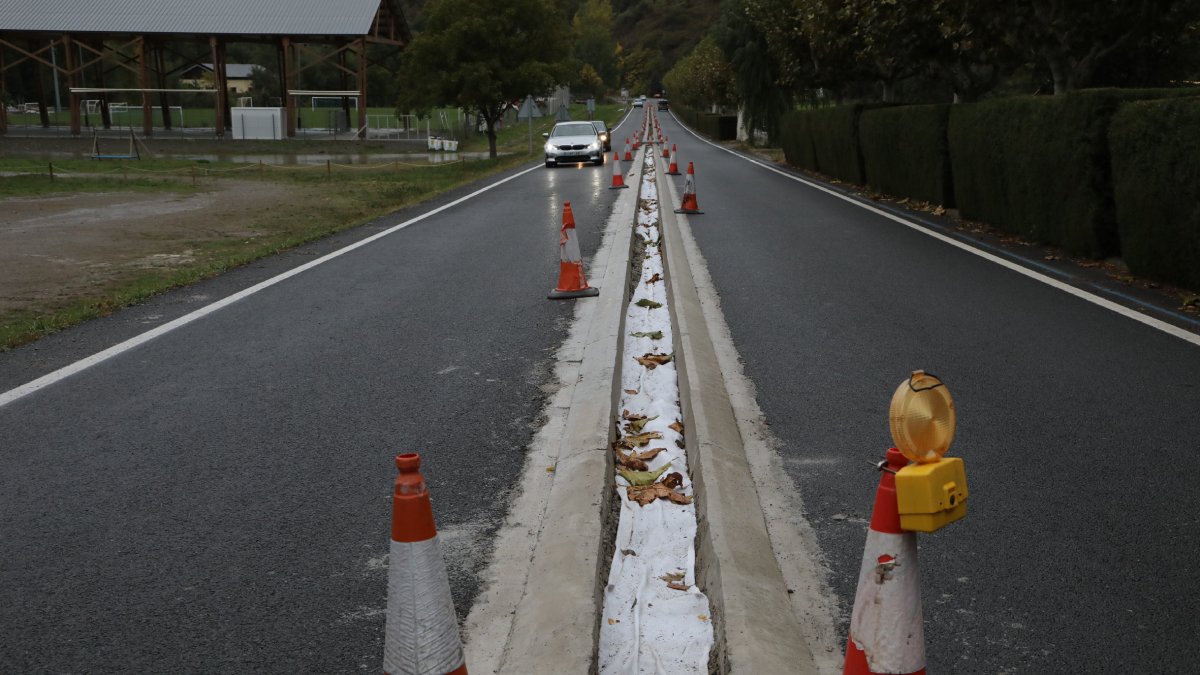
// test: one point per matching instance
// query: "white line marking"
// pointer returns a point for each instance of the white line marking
(136, 341)
(1036, 276)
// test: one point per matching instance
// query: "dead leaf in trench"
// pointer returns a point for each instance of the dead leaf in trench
(673, 480)
(629, 461)
(647, 455)
(672, 576)
(657, 277)
(636, 426)
(677, 426)
(647, 494)
(636, 478)
(653, 335)
(939, 211)
(678, 586)
(630, 416)
(652, 361)
(638, 440)
(645, 302)
(631, 392)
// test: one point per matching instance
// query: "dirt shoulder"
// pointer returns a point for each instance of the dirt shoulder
(53, 249)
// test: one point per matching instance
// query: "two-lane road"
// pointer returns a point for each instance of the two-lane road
(1078, 425)
(217, 499)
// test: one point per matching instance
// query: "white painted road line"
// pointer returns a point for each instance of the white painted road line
(100, 357)
(1020, 269)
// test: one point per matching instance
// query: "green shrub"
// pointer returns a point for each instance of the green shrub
(795, 135)
(718, 127)
(835, 139)
(1039, 167)
(905, 152)
(1156, 184)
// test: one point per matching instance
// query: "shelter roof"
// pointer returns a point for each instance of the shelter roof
(209, 17)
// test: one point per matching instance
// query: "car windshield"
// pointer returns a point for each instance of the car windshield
(600, 126)
(580, 129)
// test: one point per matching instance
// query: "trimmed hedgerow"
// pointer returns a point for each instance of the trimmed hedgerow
(905, 152)
(835, 139)
(1039, 167)
(1156, 184)
(718, 127)
(795, 135)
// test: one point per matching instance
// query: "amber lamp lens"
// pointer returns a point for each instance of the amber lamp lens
(922, 418)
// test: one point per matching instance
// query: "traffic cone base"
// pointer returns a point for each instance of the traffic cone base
(887, 628)
(421, 628)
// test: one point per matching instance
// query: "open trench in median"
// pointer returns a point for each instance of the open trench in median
(654, 617)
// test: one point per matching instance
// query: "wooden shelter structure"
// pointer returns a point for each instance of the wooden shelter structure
(135, 35)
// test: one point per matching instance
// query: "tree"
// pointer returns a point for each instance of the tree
(483, 54)
(702, 78)
(1074, 37)
(975, 52)
(594, 44)
(763, 92)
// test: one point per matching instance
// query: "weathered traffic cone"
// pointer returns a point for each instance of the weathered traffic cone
(666, 151)
(673, 168)
(887, 630)
(628, 154)
(618, 180)
(572, 283)
(689, 204)
(421, 632)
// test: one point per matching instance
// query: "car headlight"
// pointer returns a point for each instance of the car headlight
(594, 146)
(549, 147)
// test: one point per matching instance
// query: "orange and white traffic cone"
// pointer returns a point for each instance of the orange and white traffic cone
(673, 168)
(618, 180)
(421, 631)
(689, 204)
(628, 154)
(666, 151)
(887, 630)
(572, 283)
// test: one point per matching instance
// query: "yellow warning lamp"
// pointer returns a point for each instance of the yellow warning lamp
(931, 493)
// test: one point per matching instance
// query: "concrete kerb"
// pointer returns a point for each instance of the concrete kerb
(756, 628)
(555, 627)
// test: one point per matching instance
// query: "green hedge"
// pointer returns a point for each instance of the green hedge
(1039, 167)
(795, 135)
(718, 127)
(905, 152)
(835, 140)
(1156, 181)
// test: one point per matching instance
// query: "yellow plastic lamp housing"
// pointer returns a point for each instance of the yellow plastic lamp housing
(930, 496)
(922, 418)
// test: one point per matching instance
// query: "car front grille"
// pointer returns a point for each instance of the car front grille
(571, 147)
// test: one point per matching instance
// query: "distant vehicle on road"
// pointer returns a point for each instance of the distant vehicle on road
(663, 104)
(573, 142)
(639, 101)
(602, 129)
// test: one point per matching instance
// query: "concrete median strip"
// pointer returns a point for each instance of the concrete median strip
(540, 609)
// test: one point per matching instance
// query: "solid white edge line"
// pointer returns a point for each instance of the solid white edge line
(138, 340)
(1150, 321)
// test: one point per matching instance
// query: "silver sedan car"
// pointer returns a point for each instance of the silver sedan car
(573, 142)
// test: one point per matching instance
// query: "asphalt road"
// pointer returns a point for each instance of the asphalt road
(1078, 426)
(218, 499)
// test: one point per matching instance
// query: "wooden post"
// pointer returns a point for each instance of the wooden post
(72, 69)
(285, 80)
(362, 87)
(42, 112)
(219, 85)
(144, 80)
(161, 77)
(3, 90)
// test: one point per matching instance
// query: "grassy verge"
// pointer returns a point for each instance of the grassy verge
(326, 203)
